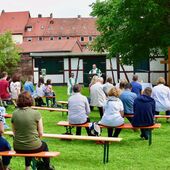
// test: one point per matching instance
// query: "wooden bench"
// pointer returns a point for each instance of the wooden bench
(124, 126)
(7, 116)
(50, 109)
(156, 116)
(105, 141)
(34, 155)
(64, 104)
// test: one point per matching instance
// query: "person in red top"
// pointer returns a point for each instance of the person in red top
(4, 86)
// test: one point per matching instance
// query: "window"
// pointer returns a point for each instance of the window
(51, 38)
(40, 38)
(29, 39)
(28, 28)
(52, 66)
(81, 38)
(90, 38)
(142, 66)
(59, 38)
(68, 38)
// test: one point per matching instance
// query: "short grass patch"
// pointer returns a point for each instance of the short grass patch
(131, 153)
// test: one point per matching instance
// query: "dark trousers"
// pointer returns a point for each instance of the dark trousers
(43, 147)
(129, 118)
(100, 110)
(144, 133)
(78, 129)
(51, 99)
(116, 133)
(167, 112)
(4, 146)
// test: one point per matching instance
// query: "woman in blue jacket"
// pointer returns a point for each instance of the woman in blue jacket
(144, 110)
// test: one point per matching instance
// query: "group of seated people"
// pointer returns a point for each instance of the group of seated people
(115, 102)
(12, 87)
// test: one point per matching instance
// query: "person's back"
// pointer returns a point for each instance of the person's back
(26, 135)
(161, 95)
(97, 95)
(144, 110)
(128, 97)
(28, 86)
(108, 85)
(4, 85)
(136, 86)
(78, 109)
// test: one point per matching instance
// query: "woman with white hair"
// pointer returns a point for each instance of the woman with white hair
(97, 95)
(161, 95)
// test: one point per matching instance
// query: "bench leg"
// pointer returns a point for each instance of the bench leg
(68, 130)
(106, 153)
(33, 165)
(150, 136)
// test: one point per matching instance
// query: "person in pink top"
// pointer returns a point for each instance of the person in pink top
(4, 86)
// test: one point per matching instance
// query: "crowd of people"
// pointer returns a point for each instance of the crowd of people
(113, 102)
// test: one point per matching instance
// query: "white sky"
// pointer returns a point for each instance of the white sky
(59, 8)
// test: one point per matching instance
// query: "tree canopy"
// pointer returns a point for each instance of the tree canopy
(135, 30)
(9, 53)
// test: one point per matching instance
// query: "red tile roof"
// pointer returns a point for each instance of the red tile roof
(38, 26)
(13, 21)
(51, 46)
(71, 27)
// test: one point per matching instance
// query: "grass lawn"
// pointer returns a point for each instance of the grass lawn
(131, 153)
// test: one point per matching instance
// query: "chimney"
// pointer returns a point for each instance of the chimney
(39, 15)
(51, 15)
(78, 16)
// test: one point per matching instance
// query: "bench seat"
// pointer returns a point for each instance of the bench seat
(34, 155)
(105, 141)
(49, 109)
(124, 126)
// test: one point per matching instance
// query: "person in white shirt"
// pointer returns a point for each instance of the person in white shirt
(95, 71)
(161, 95)
(78, 109)
(108, 85)
(97, 95)
(113, 112)
(15, 88)
(71, 82)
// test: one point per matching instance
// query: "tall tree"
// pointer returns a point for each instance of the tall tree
(133, 29)
(9, 53)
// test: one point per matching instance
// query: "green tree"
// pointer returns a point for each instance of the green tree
(9, 53)
(134, 29)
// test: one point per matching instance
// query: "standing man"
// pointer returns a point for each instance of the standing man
(71, 82)
(95, 71)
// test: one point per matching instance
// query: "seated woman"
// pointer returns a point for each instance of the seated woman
(113, 113)
(161, 95)
(144, 111)
(28, 128)
(4, 145)
(49, 93)
(78, 109)
(40, 92)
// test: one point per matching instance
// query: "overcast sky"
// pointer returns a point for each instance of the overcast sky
(59, 8)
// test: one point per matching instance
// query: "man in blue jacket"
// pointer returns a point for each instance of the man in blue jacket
(144, 110)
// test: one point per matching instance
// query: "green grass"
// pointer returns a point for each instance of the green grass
(131, 153)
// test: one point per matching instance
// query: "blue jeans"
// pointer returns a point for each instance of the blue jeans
(4, 146)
